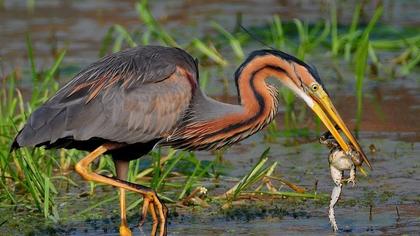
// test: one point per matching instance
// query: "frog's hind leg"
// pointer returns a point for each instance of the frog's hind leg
(335, 195)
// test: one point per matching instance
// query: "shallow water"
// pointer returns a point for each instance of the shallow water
(369, 208)
(390, 123)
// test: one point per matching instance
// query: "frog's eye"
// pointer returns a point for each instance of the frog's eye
(314, 87)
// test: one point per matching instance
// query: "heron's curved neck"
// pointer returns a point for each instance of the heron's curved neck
(214, 124)
(258, 99)
(253, 91)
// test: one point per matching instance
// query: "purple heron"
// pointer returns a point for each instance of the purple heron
(128, 102)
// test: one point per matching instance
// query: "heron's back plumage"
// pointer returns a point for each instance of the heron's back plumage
(132, 96)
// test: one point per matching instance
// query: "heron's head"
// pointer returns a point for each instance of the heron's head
(305, 81)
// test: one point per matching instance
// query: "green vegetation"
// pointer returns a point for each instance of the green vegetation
(33, 177)
(27, 170)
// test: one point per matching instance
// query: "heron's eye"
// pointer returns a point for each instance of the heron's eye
(314, 87)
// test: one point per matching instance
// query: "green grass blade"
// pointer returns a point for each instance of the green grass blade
(234, 42)
(148, 19)
(372, 22)
(277, 32)
(335, 44)
(6, 189)
(360, 68)
(355, 18)
(408, 66)
(106, 42)
(316, 40)
(31, 57)
(46, 197)
(256, 173)
(54, 67)
(388, 44)
(118, 43)
(361, 57)
(189, 181)
(125, 35)
(303, 38)
(169, 168)
(209, 52)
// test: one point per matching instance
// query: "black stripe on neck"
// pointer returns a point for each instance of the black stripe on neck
(258, 97)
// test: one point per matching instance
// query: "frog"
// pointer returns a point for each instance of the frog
(339, 161)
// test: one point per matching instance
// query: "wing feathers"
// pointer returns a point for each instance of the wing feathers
(133, 96)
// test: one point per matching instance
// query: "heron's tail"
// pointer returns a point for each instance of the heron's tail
(41, 128)
(15, 145)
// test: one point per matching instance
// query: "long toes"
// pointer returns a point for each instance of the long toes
(163, 214)
(164, 223)
(146, 203)
(158, 211)
(153, 213)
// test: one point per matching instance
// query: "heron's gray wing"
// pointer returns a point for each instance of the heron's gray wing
(139, 115)
(127, 69)
(129, 97)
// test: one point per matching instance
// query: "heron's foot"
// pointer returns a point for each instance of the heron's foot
(125, 230)
(158, 211)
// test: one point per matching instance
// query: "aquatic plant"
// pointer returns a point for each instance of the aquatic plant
(30, 170)
(360, 63)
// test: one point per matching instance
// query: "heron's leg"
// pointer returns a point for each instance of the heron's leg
(121, 167)
(124, 229)
(148, 193)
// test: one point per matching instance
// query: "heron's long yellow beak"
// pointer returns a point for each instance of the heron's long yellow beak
(326, 111)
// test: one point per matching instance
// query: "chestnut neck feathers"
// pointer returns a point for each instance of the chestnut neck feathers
(211, 124)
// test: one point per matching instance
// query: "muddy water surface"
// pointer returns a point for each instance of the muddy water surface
(387, 202)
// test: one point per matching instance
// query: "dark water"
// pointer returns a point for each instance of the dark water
(390, 123)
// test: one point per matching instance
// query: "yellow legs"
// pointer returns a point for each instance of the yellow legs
(124, 229)
(122, 172)
(151, 200)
